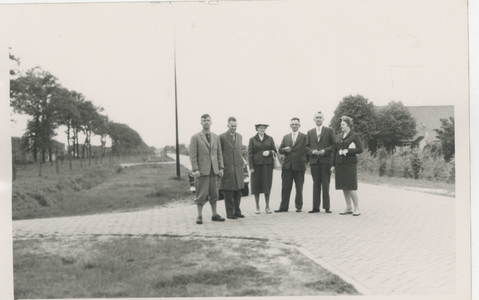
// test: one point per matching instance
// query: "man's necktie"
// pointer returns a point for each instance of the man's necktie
(208, 137)
(294, 138)
(319, 137)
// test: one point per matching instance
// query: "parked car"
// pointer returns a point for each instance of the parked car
(244, 191)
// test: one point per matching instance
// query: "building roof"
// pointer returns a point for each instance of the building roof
(428, 118)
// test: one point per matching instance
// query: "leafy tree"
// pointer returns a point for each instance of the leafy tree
(89, 118)
(77, 123)
(446, 135)
(32, 94)
(100, 127)
(13, 71)
(124, 139)
(363, 113)
(66, 109)
(12, 57)
(395, 123)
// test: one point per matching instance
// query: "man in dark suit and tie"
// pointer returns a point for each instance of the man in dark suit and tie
(319, 143)
(206, 164)
(232, 181)
(293, 147)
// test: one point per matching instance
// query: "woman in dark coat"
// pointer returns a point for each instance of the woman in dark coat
(260, 159)
(344, 161)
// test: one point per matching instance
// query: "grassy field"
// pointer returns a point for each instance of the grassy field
(96, 189)
(100, 267)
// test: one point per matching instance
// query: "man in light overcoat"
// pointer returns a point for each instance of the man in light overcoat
(207, 165)
(233, 178)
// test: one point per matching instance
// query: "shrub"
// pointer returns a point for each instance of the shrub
(452, 171)
(427, 164)
(416, 164)
(368, 163)
(382, 155)
(434, 169)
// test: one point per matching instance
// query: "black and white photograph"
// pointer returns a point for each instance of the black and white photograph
(185, 149)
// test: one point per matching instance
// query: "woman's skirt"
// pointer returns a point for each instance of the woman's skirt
(346, 177)
(261, 179)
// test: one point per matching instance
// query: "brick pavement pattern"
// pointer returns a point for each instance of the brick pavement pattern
(402, 244)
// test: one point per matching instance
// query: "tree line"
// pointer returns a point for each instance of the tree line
(391, 124)
(37, 93)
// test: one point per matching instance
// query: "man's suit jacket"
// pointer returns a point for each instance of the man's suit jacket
(233, 177)
(204, 155)
(297, 157)
(345, 143)
(325, 143)
(256, 148)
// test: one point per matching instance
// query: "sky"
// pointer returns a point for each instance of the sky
(259, 61)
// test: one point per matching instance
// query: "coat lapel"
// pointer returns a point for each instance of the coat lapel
(289, 140)
(229, 138)
(323, 130)
(347, 135)
(298, 139)
(203, 137)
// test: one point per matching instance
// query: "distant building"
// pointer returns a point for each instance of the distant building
(26, 156)
(427, 119)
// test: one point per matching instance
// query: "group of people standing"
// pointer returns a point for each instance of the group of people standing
(220, 157)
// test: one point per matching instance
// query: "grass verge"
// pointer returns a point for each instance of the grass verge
(421, 185)
(99, 189)
(97, 267)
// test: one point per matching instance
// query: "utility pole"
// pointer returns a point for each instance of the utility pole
(176, 115)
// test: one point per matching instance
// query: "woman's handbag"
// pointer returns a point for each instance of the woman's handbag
(276, 163)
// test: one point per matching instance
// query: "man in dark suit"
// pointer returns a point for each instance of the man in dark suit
(319, 143)
(206, 164)
(293, 147)
(233, 179)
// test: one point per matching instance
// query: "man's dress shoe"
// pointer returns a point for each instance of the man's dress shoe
(217, 218)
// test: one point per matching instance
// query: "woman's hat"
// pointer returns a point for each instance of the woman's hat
(258, 125)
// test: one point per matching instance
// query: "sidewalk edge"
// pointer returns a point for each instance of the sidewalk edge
(359, 287)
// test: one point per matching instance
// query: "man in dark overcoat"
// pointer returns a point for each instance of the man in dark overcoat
(293, 146)
(319, 144)
(232, 181)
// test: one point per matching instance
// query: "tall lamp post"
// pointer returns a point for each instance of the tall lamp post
(176, 116)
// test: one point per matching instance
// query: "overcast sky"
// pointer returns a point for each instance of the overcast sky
(262, 62)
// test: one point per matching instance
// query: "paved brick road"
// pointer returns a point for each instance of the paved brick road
(402, 244)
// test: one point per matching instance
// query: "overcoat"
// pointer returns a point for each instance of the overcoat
(204, 155)
(262, 178)
(256, 148)
(233, 177)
